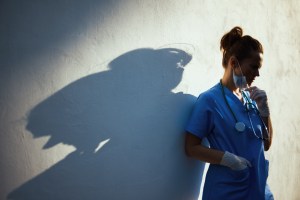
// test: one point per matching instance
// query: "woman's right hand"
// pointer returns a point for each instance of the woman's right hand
(234, 162)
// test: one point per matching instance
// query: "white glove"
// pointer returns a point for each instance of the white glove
(234, 162)
(261, 99)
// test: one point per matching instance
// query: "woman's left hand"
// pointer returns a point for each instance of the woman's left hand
(261, 99)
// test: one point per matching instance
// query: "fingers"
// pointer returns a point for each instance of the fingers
(246, 162)
(252, 88)
(261, 99)
(256, 93)
(241, 164)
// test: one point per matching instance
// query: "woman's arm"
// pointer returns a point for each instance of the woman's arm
(268, 141)
(195, 149)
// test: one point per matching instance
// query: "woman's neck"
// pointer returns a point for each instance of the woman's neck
(227, 81)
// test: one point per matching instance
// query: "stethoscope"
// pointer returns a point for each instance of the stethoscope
(240, 126)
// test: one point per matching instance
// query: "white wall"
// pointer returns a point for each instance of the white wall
(93, 95)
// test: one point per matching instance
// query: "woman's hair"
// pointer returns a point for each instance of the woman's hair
(234, 43)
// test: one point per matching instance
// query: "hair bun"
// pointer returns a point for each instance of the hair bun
(230, 38)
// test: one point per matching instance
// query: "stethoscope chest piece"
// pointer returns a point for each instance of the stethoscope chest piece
(240, 126)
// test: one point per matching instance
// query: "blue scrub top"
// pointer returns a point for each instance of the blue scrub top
(211, 118)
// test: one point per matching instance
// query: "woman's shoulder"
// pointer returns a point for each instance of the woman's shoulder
(210, 94)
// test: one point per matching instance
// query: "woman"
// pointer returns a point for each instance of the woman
(234, 116)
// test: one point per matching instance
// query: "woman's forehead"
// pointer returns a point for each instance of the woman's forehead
(255, 57)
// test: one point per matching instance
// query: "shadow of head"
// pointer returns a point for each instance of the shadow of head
(110, 103)
(157, 70)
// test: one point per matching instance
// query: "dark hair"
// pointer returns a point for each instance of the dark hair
(234, 43)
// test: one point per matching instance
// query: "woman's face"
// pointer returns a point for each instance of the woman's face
(250, 67)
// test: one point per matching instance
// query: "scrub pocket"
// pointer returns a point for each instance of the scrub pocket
(240, 177)
(224, 183)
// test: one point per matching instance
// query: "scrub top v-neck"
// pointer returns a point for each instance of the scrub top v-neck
(212, 119)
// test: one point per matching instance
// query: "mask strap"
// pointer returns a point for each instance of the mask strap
(239, 66)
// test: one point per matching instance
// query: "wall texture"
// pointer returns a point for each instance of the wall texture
(94, 95)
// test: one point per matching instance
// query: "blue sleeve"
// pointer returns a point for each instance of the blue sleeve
(200, 123)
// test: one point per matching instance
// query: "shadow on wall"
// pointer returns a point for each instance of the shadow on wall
(128, 130)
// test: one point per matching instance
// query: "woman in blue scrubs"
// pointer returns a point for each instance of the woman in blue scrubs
(234, 116)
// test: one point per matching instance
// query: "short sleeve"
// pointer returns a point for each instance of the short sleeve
(200, 123)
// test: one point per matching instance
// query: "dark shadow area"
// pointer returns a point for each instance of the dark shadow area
(138, 121)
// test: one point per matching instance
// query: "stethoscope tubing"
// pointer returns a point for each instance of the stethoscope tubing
(240, 126)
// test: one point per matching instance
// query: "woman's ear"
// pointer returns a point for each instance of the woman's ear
(233, 62)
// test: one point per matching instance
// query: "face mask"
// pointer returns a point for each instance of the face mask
(239, 81)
